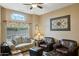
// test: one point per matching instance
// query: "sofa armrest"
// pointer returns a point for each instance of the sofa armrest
(11, 45)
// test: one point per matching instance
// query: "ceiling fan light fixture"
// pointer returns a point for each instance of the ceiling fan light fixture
(34, 5)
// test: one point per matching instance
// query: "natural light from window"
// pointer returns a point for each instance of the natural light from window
(17, 17)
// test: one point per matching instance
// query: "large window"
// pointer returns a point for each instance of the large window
(17, 17)
(16, 29)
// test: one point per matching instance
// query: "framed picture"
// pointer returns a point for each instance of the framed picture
(60, 23)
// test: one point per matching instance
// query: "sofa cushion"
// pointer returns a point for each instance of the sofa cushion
(14, 42)
(49, 40)
(26, 40)
(9, 43)
(17, 40)
(62, 50)
(22, 45)
(70, 44)
(65, 43)
(43, 45)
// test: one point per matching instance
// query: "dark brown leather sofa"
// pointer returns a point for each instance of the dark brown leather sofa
(47, 44)
(66, 47)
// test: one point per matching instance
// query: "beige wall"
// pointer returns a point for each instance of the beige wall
(3, 12)
(0, 14)
(35, 20)
(0, 24)
(72, 10)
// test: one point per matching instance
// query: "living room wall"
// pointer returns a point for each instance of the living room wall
(73, 11)
(0, 24)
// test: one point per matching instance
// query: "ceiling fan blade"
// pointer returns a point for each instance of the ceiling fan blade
(40, 3)
(40, 7)
(31, 8)
(27, 4)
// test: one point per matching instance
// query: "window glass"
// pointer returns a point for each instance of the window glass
(17, 17)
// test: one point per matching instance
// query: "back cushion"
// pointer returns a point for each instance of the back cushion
(69, 44)
(20, 40)
(72, 45)
(65, 43)
(48, 40)
(26, 40)
(17, 40)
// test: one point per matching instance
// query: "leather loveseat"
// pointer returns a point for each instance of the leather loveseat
(66, 47)
(47, 44)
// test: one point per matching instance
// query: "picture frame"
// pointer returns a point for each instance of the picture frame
(60, 23)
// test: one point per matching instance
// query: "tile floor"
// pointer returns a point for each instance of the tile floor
(22, 54)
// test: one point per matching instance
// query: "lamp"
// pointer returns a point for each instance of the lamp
(38, 35)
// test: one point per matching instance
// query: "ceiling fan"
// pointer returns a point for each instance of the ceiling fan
(34, 5)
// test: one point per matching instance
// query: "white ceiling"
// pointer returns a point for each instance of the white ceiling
(47, 7)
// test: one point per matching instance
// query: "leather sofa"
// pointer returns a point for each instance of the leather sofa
(66, 47)
(47, 44)
(5, 50)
